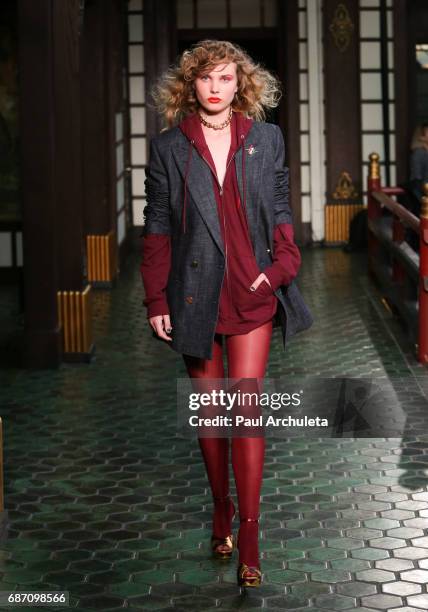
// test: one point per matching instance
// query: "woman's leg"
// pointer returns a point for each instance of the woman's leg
(247, 358)
(215, 451)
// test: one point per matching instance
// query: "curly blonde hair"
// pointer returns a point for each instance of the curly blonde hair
(174, 94)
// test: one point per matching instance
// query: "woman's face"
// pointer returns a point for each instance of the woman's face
(216, 89)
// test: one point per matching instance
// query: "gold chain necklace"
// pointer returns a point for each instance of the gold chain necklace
(216, 126)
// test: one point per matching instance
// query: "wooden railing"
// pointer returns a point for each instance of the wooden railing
(401, 272)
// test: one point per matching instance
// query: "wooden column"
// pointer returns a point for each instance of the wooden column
(101, 88)
(288, 52)
(402, 59)
(51, 178)
(159, 52)
(68, 163)
(113, 76)
(342, 114)
(38, 169)
(95, 170)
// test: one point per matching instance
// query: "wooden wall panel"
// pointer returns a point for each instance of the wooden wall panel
(342, 95)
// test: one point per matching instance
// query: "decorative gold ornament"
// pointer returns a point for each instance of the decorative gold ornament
(424, 202)
(338, 217)
(102, 256)
(75, 319)
(345, 189)
(341, 27)
(374, 166)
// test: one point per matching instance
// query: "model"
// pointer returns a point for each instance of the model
(219, 258)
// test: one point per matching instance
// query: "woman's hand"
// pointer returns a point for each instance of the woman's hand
(161, 324)
(261, 277)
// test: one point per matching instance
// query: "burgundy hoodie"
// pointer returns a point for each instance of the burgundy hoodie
(240, 309)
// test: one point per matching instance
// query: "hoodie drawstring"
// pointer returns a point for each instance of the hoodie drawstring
(183, 215)
(243, 173)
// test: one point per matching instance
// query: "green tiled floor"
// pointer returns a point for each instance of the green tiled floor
(106, 502)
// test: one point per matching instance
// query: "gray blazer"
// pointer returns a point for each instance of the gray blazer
(198, 259)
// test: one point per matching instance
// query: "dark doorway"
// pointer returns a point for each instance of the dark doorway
(411, 77)
(421, 82)
(418, 62)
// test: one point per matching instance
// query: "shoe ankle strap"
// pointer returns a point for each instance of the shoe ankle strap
(220, 499)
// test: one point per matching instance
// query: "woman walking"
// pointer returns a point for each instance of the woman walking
(219, 258)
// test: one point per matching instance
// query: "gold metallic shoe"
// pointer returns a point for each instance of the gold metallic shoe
(248, 575)
(222, 548)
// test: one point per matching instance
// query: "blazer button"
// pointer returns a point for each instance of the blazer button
(194, 263)
(189, 299)
(268, 250)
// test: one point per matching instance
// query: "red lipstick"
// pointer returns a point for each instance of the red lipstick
(214, 99)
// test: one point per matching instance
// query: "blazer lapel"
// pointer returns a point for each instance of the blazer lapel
(199, 181)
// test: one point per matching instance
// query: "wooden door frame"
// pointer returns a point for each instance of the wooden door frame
(401, 86)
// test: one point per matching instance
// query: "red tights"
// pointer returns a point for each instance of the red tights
(247, 356)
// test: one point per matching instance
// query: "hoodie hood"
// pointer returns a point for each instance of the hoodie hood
(192, 129)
